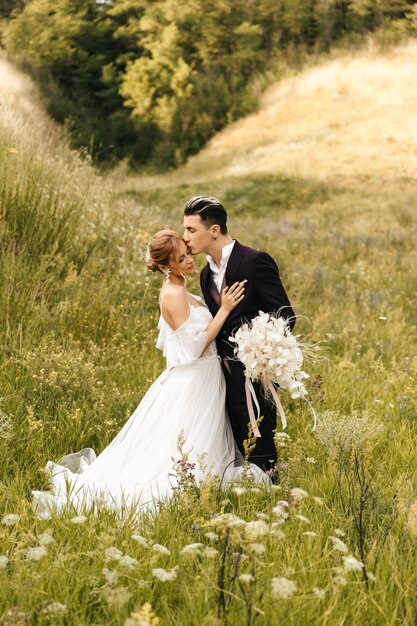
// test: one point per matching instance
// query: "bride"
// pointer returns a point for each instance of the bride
(187, 400)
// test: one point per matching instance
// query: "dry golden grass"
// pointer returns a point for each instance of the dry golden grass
(352, 116)
(22, 115)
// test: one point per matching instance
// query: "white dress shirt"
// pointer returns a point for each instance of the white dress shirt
(219, 272)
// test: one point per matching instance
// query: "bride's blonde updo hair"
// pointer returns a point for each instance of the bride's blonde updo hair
(163, 247)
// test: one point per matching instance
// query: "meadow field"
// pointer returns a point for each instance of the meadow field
(323, 177)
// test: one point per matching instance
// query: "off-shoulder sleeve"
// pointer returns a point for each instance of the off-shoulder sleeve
(190, 339)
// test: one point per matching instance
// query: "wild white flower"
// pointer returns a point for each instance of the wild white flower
(36, 554)
(246, 578)
(113, 554)
(278, 534)
(280, 511)
(210, 553)
(281, 439)
(236, 522)
(164, 574)
(310, 533)
(129, 562)
(320, 593)
(371, 576)
(4, 560)
(256, 529)
(257, 548)
(339, 533)
(302, 518)
(10, 519)
(340, 580)
(283, 587)
(239, 491)
(139, 539)
(318, 500)
(351, 564)
(310, 459)
(111, 575)
(45, 539)
(55, 609)
(255, 490)
(298, 494)
(211, 536)
(191, 548)
(79, 519)
(117, 597)
(339, 545)
(226, 519)
(161, 549)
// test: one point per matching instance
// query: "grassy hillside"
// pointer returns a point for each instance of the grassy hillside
(77, 333)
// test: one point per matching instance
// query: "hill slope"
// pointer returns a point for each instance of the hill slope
(347, 117)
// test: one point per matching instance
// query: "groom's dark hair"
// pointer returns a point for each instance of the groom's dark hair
(210, 210)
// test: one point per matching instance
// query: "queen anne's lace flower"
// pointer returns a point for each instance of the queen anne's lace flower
(157, 547)
(283, 587)
(257, 548)
(298, 494)
(256, 529)
(246, 578)
(211, 536)
(55, 609)
(45, 539)
(210, 553)
(11, 519)
(165, 575)
(37, 553)
(339, 545)
(113, 554)
(139, 539)
(351, 564)
(191, 548)
(4, 559)
(129, 562)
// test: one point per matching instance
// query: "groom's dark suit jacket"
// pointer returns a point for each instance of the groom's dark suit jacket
(263, 292)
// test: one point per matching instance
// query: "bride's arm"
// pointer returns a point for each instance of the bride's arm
(231, 297)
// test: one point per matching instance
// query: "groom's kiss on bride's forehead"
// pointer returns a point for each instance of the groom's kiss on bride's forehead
(228, 261)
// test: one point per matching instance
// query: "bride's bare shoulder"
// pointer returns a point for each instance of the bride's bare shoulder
(172, 293)
(174, 305)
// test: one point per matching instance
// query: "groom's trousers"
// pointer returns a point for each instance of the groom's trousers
(264, 454)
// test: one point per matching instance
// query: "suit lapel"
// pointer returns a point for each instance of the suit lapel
(205, 288)
(233, 264)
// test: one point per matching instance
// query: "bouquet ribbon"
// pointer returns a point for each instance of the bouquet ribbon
(251, 395)
(277, 401)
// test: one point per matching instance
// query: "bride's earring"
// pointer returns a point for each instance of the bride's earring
(214, 237)
(167, 274)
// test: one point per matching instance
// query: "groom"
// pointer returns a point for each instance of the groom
(205, 230)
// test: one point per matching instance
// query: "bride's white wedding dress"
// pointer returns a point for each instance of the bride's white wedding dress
(136, 469)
